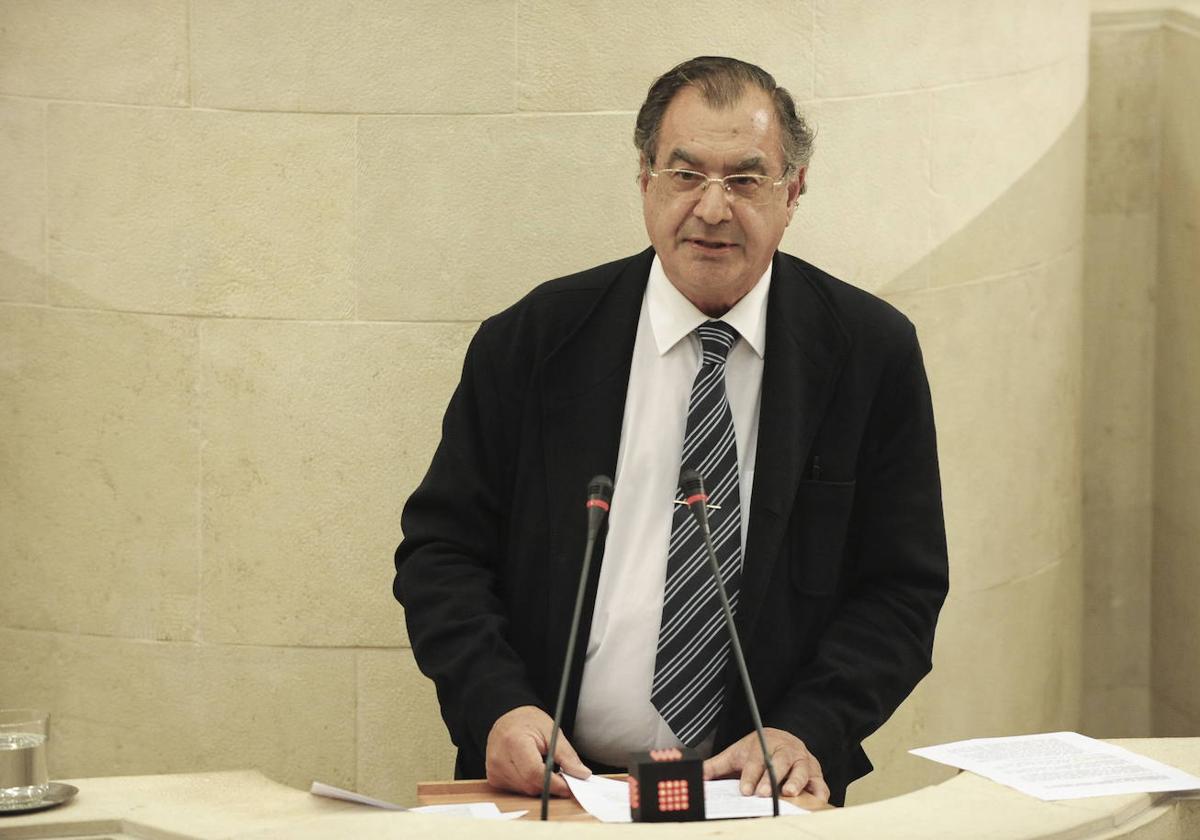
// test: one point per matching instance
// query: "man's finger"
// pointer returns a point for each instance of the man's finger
(752, 772)
(816, 783)
(796, 780)
(783, 761)
(569, 760)
(720, 765)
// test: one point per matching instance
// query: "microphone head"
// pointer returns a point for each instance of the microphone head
(600, 488)
(691, 483)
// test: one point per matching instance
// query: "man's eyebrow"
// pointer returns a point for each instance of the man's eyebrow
(751, 162)
(683, 156)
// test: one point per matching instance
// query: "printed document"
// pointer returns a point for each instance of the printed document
(1060, 765)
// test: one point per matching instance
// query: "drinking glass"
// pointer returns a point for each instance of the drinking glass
(23, 736)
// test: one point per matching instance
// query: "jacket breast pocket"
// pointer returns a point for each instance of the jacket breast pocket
(820, 521)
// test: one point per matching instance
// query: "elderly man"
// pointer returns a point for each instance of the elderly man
(804, 403)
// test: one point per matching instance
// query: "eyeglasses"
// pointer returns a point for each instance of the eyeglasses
(746, 186)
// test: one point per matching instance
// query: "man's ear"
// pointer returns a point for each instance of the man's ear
(643, 174)
(796, 188)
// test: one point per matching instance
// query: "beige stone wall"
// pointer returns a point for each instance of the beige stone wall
(1142, 380)
(1176, 624)
(242, 249)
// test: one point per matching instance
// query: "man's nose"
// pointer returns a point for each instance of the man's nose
(713, 206)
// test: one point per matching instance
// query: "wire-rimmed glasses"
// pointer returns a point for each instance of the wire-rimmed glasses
(749, 187)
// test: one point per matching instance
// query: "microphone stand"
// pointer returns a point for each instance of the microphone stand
(599, 496)
(693, 487)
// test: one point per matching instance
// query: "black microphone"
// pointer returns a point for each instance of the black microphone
(692, 485)
(600, 490)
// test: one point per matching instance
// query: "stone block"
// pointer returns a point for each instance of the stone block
(201, 212)
(603, 55)
(122, 707)
(866, 215)
(1175, 643)
(99, 467)
(421, 56)
(1116, 712)
(1118, 545)
(401, 737)
(1003, 358)
(1007, 658)
(1118, 379)
(1124, 118)
(929, 43)
(315, 434)
(1007, 172)
(1036, 218)
(23, 202)
(431, 243)
(131, 51)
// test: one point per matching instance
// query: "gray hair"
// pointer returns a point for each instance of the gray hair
(722, 82)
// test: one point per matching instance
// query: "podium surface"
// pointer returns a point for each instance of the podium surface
(245, 805)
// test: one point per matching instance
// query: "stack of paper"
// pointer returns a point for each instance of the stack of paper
(1060, 765)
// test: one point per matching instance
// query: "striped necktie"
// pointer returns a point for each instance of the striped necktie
(693, 646)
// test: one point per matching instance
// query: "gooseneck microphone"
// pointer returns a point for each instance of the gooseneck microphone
(692, 485)
(600, 490)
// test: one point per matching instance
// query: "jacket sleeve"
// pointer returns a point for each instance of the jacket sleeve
(878, 643)
(446, 565)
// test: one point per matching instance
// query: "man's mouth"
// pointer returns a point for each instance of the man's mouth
(714, 246)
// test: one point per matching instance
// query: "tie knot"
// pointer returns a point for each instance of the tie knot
(716, 337)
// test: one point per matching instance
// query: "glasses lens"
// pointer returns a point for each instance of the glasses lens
(682, 180)
(752, 188)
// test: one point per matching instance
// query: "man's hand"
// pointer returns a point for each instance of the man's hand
(516, 753)
(796, 769)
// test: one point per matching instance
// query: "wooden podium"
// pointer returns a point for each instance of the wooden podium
(561, 810)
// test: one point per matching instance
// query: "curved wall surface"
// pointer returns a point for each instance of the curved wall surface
(242, 250)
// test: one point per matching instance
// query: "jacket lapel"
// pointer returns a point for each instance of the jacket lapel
(583, 390)
(806, 348)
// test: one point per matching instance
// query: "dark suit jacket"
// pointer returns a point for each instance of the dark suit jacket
(845, 565)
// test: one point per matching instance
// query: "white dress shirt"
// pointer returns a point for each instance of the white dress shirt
(615, 715)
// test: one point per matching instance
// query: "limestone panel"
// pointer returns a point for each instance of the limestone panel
(1036, 218)
(315, 434)
(422, 56)
(133, 51)
(1176, 644)
(401, 737)
(1124, 105)
(1007, 658)
(201, 212)
(98, 472)
(1120, 276)
(22, 201)
(460, 216)
(866, 215)
(1177, 369)
(1004, 366)
(936, 42)
(121, 707)
(1007, 172)
(1121, 711)
(589, 56)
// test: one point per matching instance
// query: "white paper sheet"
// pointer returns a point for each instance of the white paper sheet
(472, 810)
(1060, 765)
(608, 800)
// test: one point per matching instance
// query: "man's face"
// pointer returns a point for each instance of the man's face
(712, 246)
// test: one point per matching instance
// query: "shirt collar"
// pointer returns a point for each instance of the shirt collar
(673, 316)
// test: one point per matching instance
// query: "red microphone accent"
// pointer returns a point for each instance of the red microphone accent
(600, 503)
(697, 497)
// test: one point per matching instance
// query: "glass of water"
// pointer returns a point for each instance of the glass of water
(23, 776)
